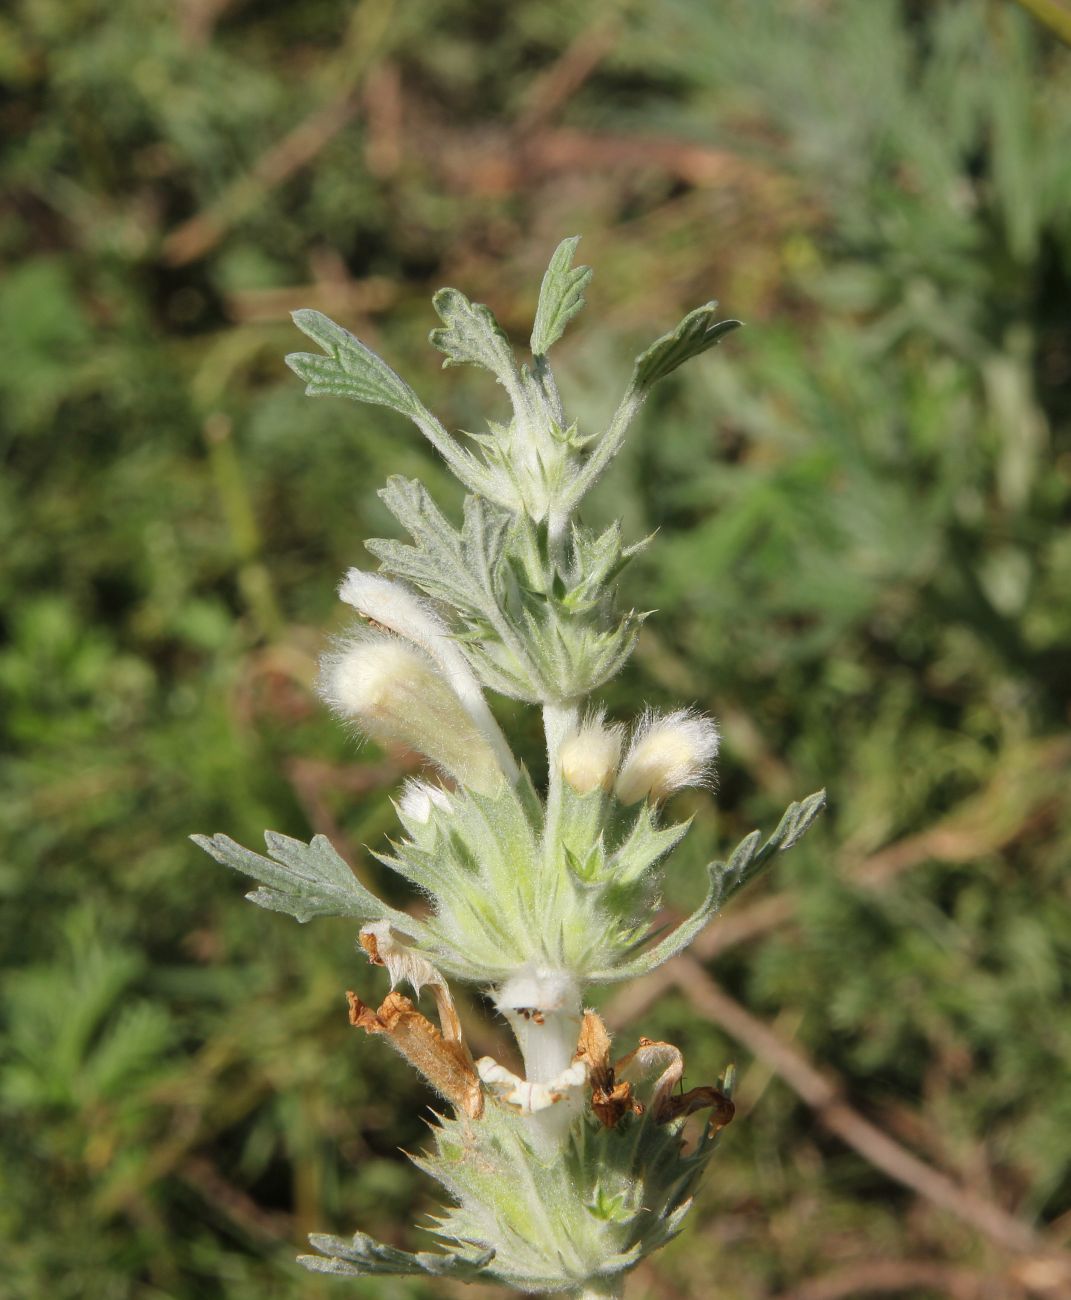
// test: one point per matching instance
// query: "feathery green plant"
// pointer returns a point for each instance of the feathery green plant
(562, 1179)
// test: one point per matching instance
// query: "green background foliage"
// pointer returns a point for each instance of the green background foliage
(862, 569)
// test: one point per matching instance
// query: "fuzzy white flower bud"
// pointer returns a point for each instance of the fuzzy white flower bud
(589, 754)
(419, 798)
(395, 693)
(667, 753)
(393, 606)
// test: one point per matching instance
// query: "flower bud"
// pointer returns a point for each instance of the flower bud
(395, 693)
(589, 755)
(666, 754)
(419, 798)
(393, 606)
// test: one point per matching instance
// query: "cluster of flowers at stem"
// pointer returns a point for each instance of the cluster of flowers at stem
(562, 1176)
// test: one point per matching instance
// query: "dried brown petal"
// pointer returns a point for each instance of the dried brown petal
(648, 1057)
(444, 1061)
(696, 1099)
(610, 1100)
(370, 944)
(593, 1048)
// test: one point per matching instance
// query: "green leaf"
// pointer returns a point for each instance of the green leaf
(439, 562)
(483, 538)
(645, 846)
(303, 880)
(697, 332)
(561, 296)
(748, 858)
(470, 335)
(363, 1257)
(349, 369)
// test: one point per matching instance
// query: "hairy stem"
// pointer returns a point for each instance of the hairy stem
(610, 1288)
(558, 721)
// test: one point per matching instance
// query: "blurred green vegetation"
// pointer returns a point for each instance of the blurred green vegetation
(862, 569)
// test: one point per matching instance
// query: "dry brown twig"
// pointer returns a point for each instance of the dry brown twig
(881, 1276)
(552, 89)
(367, 29)
(201, 232)
(1051, 1268)
(970, 831)
(200, 1174)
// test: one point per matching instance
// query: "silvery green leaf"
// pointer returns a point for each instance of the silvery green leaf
(437, 563)
(561, 296)
(797, 821)
(362, 1257)
(697, 332)
(470, 335)
(483, 536)
(748, 858)
(349, 369)
(303, 880)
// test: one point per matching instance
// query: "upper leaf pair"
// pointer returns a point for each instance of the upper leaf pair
(529, 466)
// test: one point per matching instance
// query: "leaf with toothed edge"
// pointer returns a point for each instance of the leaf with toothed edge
(470, 335)
(561, 296)
(364, 1257)
(696, 333)
(349, 369)
(303, 880)
(748, 859)
(352, 370)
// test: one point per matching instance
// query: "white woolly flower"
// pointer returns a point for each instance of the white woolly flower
(667, 753)
(590, 753)
(395, 693)
(528, 1097)
(394, 607)
(543, 1008)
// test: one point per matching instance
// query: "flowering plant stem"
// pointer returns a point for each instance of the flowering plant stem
(608, 1290)
(563, 1178)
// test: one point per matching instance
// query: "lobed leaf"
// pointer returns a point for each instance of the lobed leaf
(363, 1257)
(470, 335)
(561, 296)
(696, 333)
(748, 858)
(303, 880)
(349, 369)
